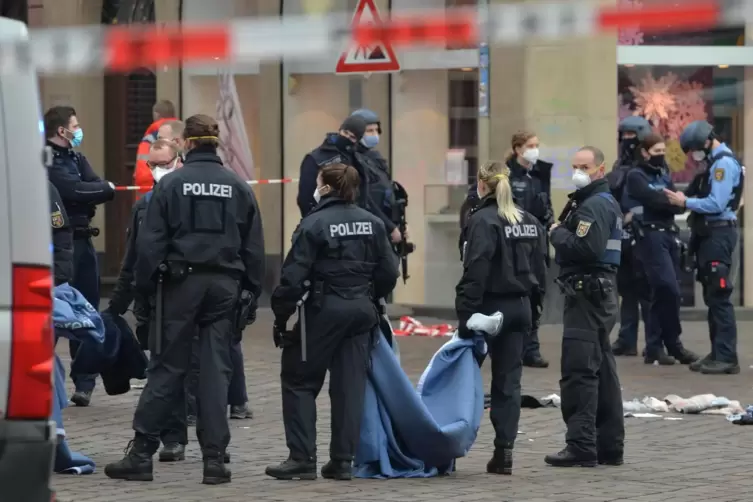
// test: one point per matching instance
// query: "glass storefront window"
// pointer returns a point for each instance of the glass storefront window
(463, 116)
(671, 97)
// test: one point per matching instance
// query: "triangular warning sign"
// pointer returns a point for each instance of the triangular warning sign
(380, 58)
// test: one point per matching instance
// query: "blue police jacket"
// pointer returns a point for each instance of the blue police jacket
(79, 187)
(613, 252)
(724, 176)
(645, 197)
(591, 232)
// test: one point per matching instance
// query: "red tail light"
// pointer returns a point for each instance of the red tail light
(30, 389)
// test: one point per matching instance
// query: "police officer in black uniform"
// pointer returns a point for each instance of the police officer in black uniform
(659, 249)
(337, 148)
(631, 281)
(381, 194)
(62, 238)
(341, 263)
(504, 263)
(530, 178)
(713, 198)
(163, 159)
(588, 245)
(201, 243)
(81, 191)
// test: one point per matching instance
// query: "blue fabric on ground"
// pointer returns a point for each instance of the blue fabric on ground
(418, 433)
(66, 461)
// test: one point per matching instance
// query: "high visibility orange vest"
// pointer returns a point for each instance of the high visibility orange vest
(142, 175)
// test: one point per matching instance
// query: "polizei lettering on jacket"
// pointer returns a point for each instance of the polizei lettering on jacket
(351, 229)
(521, 231)
(208, 190)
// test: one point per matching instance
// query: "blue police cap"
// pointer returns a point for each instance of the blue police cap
(369, 116)
(638, 125)
(695, 135)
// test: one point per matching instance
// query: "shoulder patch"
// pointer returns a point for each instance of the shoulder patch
(583, 228)
(719, 174)
(57, 219)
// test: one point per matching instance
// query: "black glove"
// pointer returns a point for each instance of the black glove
(278, 333)
(251, 317)
(116, 308)
(465, 333)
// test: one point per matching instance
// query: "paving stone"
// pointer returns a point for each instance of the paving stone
(700, 457)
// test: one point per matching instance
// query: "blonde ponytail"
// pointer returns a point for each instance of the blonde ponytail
(496, 177)
(505, 205)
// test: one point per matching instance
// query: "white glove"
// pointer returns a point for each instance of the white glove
(112, 185)
(489, 324)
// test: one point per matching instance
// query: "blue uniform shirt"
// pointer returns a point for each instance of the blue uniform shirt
(724, 175)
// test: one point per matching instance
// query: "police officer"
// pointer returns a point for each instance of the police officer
(713, 199)
(631, 281)
(62, 238)
(659, 248)
(81, 191)
(337, 148)
(163, 158)
(201, 241)
(381, 196)
(587, 245)
(504, 263)
(530, 178)
(341, 255)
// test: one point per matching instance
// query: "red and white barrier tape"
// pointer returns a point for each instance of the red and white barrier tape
(128, 188)
(412, 327)
(303, 38)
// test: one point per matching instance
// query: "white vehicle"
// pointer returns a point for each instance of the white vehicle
(27, 436)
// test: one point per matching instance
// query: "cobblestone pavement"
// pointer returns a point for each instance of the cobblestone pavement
(696, 458)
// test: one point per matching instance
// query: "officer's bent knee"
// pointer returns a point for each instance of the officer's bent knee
(716, 278)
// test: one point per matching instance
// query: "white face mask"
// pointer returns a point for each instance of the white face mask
(159, 172)
(531, 155)
(698, 155)
(581, 179)
(317, 195)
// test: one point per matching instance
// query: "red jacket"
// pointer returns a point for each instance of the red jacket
(142, 175)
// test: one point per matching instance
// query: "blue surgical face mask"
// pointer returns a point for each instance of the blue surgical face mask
(78, 137)
(370, 140)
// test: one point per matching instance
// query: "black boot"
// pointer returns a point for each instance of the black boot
(535, 361)
(683, 355)
(620, 349)
(172, 452)
(613, 458)
(226, 458)
(82, 398)
(241, 412)
(567, 458)
(215, 472)
(136, 465)
(293, 469)
(659, 357)
(696, 366)
(719, 368)
(501, 462)
(340, 470)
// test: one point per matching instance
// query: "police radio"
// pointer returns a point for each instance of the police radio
(402, 248)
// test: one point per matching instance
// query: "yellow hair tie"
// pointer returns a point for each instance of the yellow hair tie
(203, 137)
(500, 176)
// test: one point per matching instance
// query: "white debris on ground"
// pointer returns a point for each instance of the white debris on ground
(647, 407)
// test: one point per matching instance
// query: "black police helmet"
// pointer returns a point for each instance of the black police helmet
(695, 135)
(638, 125)
(369, 116)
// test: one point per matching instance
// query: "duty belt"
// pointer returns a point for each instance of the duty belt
(596, 286)
(663, 227)
(85, 232)
(721, 223)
